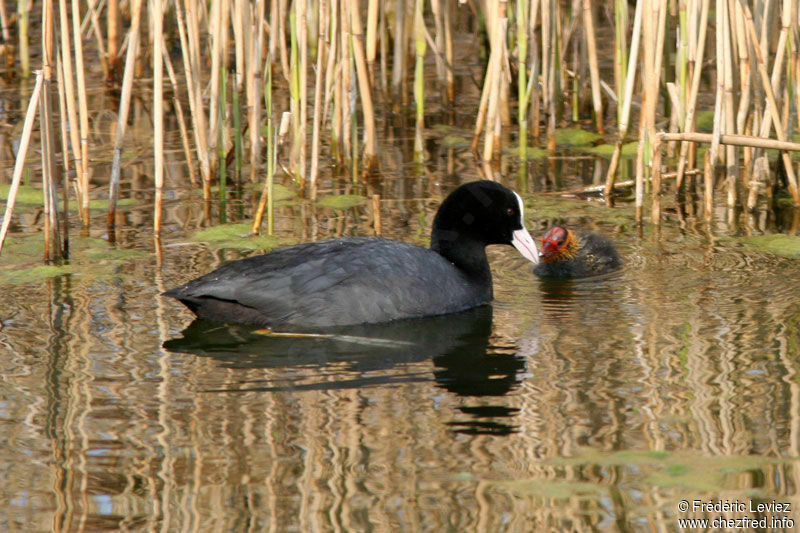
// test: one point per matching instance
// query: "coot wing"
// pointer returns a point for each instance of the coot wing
(330, 283)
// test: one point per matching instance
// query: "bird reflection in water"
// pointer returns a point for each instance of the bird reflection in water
(466, 363)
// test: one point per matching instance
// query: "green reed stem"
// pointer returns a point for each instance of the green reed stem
(237, 138)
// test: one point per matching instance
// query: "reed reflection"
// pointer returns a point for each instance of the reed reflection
(371, 355)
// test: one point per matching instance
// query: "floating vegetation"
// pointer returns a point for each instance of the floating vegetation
(235, 236)
(576, 137)
(778, 244)
(92, 259)
(607, 150)
(342, 201)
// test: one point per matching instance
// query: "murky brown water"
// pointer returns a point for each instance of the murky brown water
(587, 405)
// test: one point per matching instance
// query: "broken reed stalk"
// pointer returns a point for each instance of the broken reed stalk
(122, 117)
(22, 152)
(158, 112)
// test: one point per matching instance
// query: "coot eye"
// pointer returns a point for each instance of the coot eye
(510, 211)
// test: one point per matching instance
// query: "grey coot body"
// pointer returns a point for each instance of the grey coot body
(567, 255)
(356, 280)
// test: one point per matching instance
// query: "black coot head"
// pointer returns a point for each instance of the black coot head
(483, 213)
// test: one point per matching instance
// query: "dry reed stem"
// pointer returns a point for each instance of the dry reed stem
(364, 88)
(594, 73)
(448, 52)
(158, 111)
(22, 151)
(708, 188)
(256, 86)
(319, 102)
(491, 137)
(176, 103)
(302, 38)
(399, 52)
(4, 23)
(732, 140)
(23, 6)
(83, 114)
(372, 36)
(330, 71)
(72, 114)
(441, 69)
(112, 35)
(772, 106)
(48, 143)
(655, 213)
(688, 124)
(376, 214)
(626, 103)
(62, 108)
(419, 78)
(534, 97)
(122, 116)
(219, 31)
(187, 31)
(731, 160)
(102, 55)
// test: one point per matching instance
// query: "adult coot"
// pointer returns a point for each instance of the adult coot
(567, 255)
(356, 280)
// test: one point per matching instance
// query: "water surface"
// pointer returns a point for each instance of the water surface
(585, 405)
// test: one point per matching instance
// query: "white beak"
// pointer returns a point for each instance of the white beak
(523, 242)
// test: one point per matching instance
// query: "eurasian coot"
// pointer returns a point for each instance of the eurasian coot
(567, 255)
(356, 280)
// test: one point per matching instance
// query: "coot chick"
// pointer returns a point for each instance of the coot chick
(357, 280)
(567, 255)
